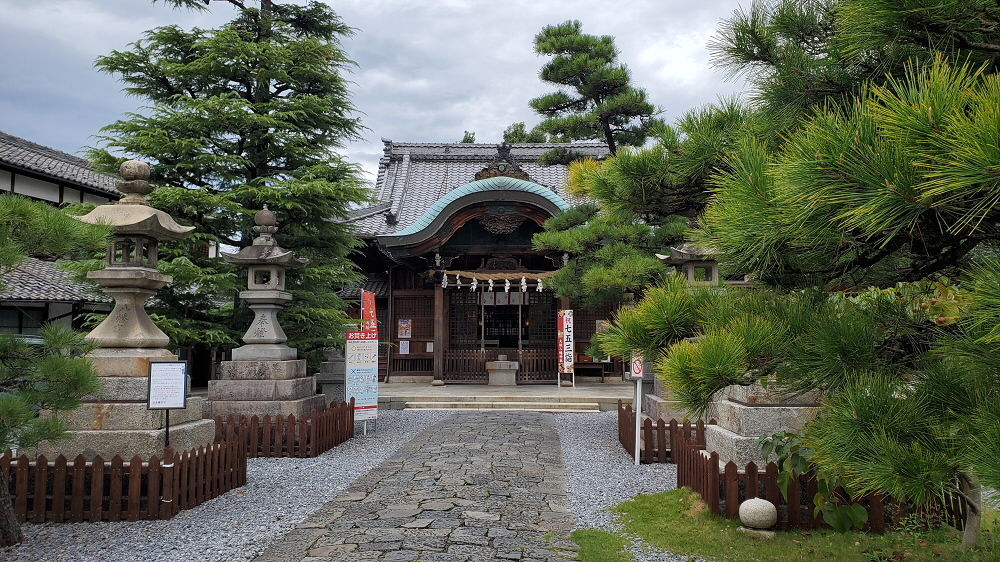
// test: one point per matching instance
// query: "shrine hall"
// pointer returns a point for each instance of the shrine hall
(450, 259)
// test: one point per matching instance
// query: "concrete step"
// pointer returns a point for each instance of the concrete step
(501, 405)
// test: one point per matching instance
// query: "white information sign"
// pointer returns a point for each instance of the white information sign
(362, 373)
(404, 347)
(168, 385)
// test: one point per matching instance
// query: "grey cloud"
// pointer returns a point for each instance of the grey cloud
(427, 70)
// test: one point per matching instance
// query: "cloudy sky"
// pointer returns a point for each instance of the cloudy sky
(427, 71)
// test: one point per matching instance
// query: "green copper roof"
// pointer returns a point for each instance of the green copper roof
(500, 183)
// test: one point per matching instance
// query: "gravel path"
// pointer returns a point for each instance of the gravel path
(239, 525)
(601, 475)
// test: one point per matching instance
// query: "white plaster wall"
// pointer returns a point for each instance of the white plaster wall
(71, 195)
(4, 180)
(38, 189)
(88, 198)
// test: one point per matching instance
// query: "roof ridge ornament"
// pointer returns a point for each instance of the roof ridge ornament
(503, 164)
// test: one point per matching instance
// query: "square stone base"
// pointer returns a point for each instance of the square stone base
(503, 377)
(302, 407)
(292, 389)
(97, 416)
(129, 442)
(127, 362)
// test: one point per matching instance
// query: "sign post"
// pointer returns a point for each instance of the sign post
(361, 362)
(566, 352)
(637, 369)
(168, 385)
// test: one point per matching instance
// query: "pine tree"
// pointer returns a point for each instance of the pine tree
(48, 375)
(646, 201)
(596, 99)
(468, 137)
(239, 117)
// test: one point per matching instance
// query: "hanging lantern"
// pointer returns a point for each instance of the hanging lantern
(524, 285)
(539, 287)
(444, 280)
(474, 284)
(491, 285)
(506, 285)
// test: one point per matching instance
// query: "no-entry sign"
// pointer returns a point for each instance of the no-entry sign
(637, 364)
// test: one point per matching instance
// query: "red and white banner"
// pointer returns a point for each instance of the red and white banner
(566, 351)
(369, 322)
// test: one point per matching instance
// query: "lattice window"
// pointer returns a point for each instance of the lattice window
(540, 321)
(463, 325)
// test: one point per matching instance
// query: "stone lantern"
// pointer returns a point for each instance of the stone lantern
(130, 275)
(116, 421)
(266, 262)
(264, 377)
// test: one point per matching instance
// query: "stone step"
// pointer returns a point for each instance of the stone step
(534, 409)
(500, 405)
(496, 398)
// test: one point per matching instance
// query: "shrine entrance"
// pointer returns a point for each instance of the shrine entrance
(483, 326)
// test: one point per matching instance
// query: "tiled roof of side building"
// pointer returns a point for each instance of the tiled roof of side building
(413, 176)
(55, 164)
(39, 280)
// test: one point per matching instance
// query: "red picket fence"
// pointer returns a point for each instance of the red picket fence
(657, 438)
(286, 436)
(114, 490)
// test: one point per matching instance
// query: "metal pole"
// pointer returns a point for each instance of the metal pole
(638, 413)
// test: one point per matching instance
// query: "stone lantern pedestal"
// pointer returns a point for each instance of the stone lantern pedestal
(265, 378)
(115, 421)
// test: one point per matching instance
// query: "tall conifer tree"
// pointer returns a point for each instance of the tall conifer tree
(246, 115)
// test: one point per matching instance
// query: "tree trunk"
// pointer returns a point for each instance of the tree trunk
(973, 496)
(10, 529)
(609, 137)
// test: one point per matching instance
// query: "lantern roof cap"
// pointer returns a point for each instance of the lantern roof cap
(132, 214)
(265, 249)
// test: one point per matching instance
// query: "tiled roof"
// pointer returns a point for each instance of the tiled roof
(38, 280)
(60, 166)
(488, 184)
(374, 284)
(413, 176)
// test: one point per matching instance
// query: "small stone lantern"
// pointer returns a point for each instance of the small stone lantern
(130, 275)
(266, 262)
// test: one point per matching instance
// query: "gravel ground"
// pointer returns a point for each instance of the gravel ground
(601, 475)
(239, 525)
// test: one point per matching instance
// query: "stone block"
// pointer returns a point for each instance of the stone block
(262, 370)
(118, 389)
(762, 420)
(502, 373)
(264, 352)
(128, 415)
(733, 447)
(292, 389)
(260, 408)
(127, 362)
(128, 442)
(757, 394)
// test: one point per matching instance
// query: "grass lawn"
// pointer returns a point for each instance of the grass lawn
(601, 546)
(679, 522)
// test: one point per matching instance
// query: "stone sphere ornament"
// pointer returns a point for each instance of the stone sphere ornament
(757, 513)
(265, 217)
(134, 170)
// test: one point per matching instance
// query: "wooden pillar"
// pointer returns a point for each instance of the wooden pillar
(438, 335)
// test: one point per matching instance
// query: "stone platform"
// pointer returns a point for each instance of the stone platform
(116, 421)
(263, 388)
(538, 397)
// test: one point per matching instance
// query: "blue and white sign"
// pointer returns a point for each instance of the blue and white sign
(361, 359)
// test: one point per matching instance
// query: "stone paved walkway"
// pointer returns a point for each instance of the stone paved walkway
(477, 486)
